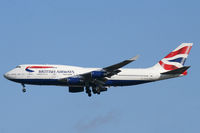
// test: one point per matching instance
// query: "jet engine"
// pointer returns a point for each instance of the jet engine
(98, 74)
(74, 81)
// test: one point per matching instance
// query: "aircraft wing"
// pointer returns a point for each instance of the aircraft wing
(120, 65)
(108, 71)
(101, 74)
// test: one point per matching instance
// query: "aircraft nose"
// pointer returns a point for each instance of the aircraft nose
(6, 75)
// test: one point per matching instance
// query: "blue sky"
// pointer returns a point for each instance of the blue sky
(93, 33)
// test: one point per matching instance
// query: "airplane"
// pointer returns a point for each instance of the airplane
(97, 80)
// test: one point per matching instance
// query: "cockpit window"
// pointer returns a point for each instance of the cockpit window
(18, 67)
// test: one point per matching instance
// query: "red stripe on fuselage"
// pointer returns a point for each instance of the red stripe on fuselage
(38, 67)
(183, 50)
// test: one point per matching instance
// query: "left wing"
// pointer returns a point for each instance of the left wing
(101, 74)
(108, 71)
(96, 78)
(120, 65)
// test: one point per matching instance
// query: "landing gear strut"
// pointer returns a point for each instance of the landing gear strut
(94, 90)
(23, 89)
(88, 91)
(98, 90)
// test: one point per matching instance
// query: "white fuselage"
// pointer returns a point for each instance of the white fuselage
(79, 79)
(50, 76)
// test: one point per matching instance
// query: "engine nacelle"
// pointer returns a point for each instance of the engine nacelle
(98, 74)
(76, 89)
(74, 81)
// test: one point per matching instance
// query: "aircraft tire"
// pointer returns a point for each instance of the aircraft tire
(23, 90)
(89, 94)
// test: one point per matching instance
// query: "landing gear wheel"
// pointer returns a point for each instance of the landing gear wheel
(23, 90)
(89, 94)
(94, 91)
(98, 91)
(88, 91)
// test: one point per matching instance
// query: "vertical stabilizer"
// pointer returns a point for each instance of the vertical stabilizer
(175, 59)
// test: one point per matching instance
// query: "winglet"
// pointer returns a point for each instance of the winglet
(134, 58)
(120, 65)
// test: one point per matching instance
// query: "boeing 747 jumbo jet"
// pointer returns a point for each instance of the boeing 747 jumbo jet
(97, 80)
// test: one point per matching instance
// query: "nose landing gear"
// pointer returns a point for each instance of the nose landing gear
(23, 89)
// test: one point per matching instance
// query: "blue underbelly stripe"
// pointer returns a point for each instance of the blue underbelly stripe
(57, 82)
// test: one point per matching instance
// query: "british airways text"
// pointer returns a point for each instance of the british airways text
(54, 71)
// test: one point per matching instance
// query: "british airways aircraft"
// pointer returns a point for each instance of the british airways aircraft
(97, 80)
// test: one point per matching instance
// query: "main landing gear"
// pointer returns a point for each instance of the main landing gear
(23, 89)
(95, 90)
(88, 91)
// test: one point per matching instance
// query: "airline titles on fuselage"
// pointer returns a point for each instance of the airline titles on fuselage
(56, 71)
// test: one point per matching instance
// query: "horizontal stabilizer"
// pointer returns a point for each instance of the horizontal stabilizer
(177, 71)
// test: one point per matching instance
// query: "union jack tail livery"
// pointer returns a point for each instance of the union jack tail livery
(176, 59)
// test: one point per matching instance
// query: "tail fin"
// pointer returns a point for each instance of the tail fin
(175, 59)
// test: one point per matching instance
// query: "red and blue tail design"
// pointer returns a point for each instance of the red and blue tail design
(176, 58)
